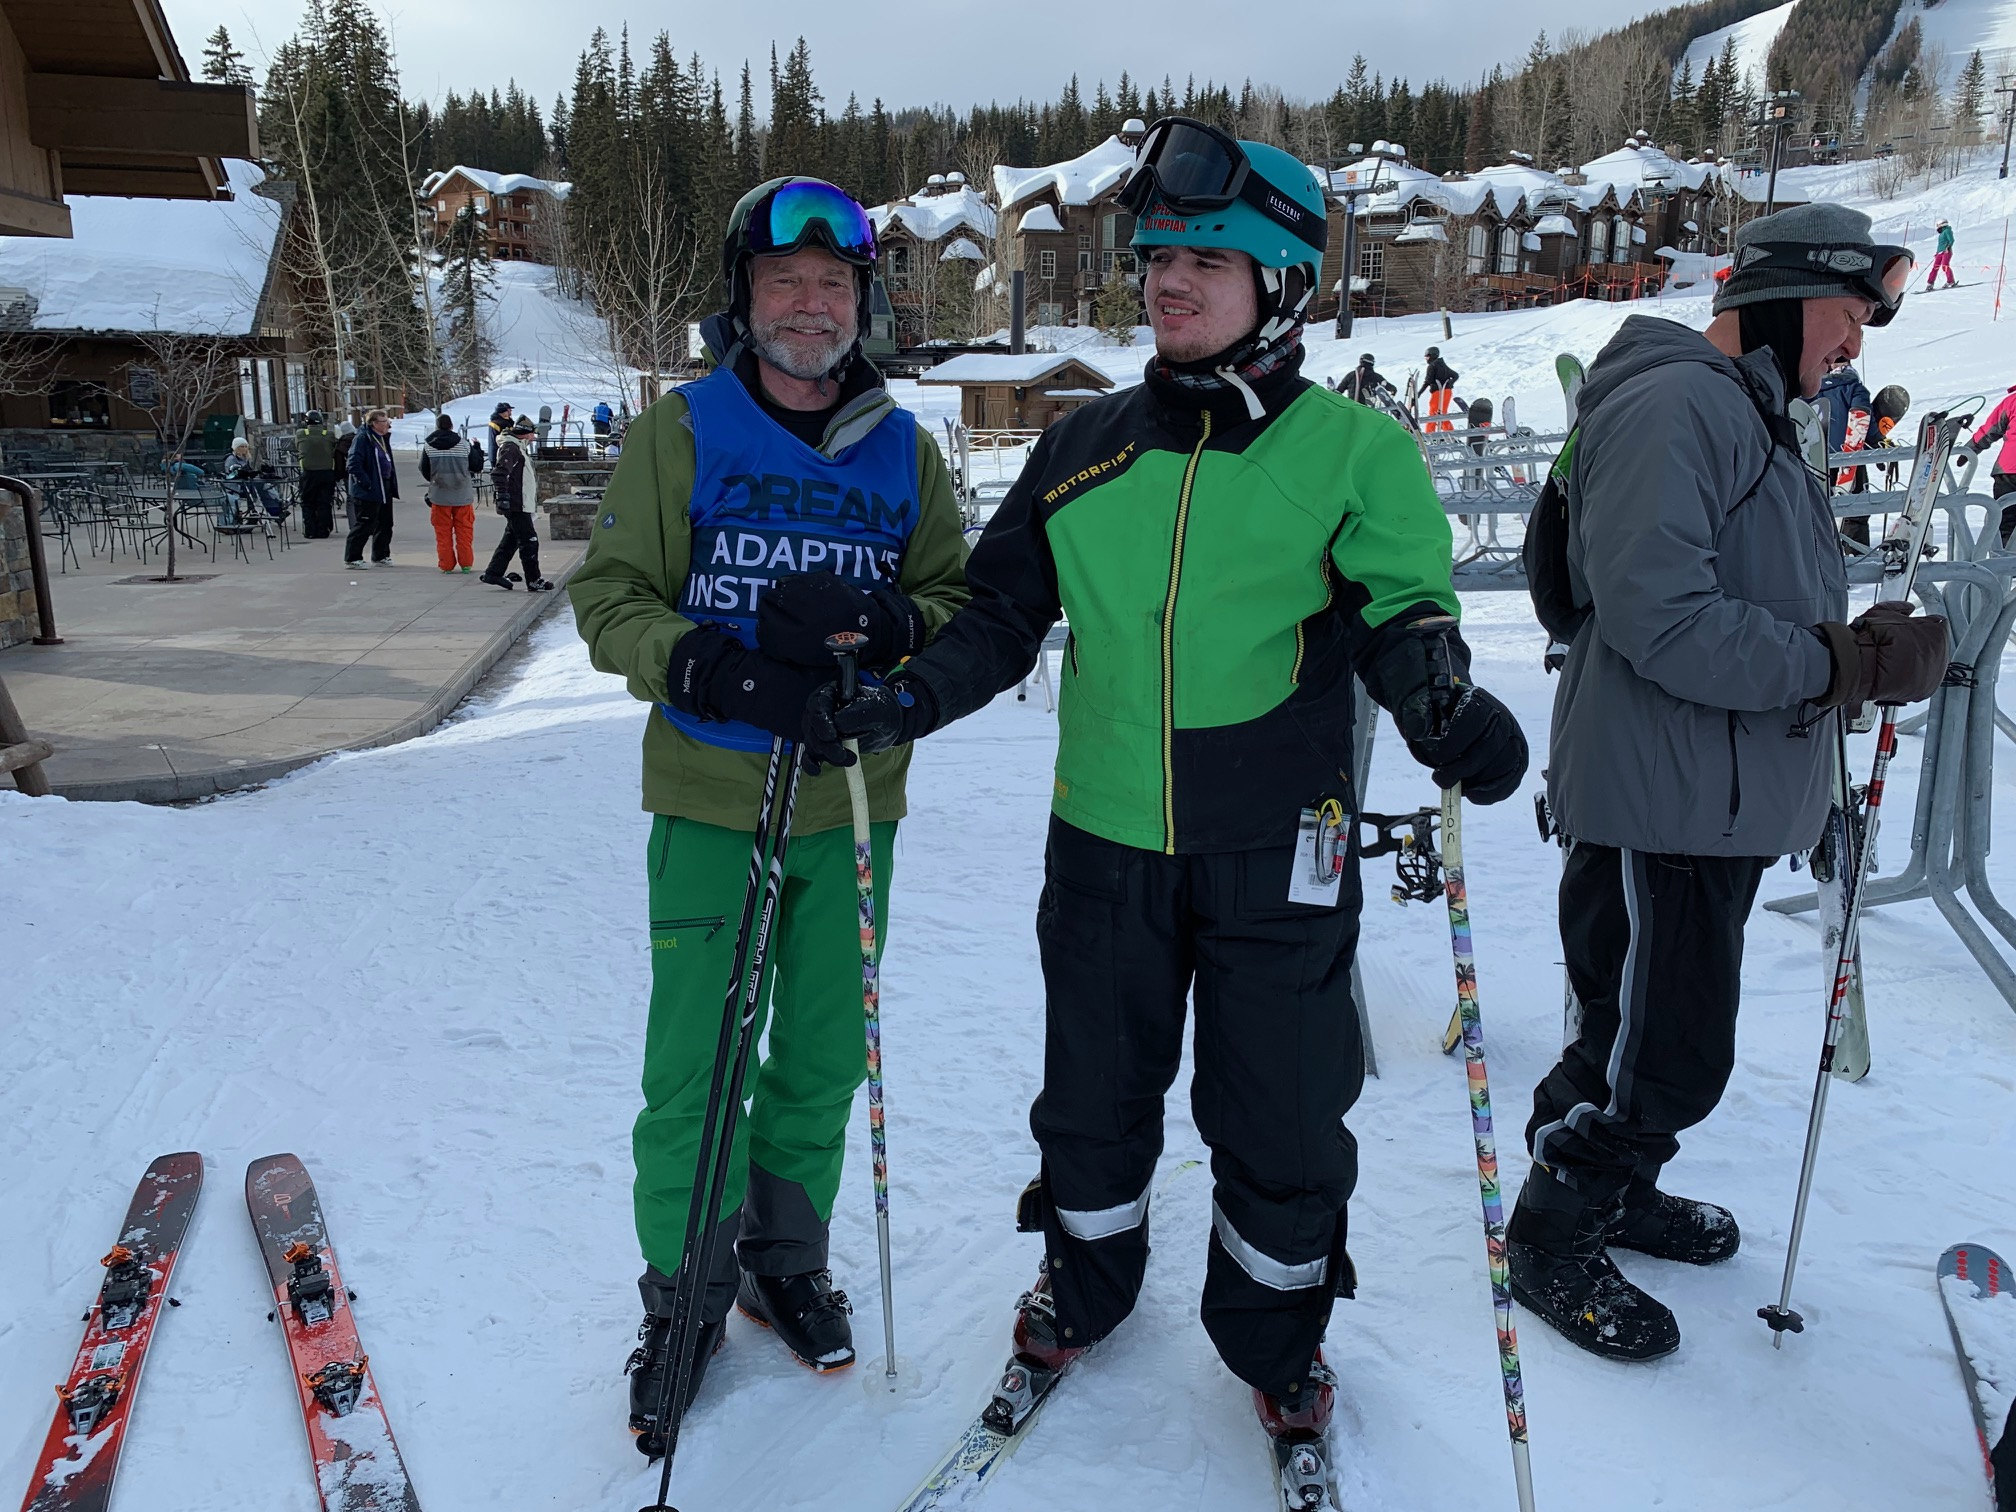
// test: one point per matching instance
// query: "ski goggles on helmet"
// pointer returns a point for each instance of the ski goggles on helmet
(811, 210)
(1192, 169)
(1879, 274)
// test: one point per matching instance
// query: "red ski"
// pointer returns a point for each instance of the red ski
(81, 1454)
(357, 1464)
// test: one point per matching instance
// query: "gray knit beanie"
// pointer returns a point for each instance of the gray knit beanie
(1813, 225)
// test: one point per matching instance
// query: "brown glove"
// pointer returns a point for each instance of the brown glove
(1888, 656)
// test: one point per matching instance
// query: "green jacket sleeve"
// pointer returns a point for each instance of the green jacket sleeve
(1394, 550)
(934, 563)
(626, 590)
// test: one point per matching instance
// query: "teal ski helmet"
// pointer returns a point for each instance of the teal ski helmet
(1194, 185)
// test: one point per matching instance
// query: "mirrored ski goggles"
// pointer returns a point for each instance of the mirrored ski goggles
(1880, 274)
(1193, 169)
(811, 210)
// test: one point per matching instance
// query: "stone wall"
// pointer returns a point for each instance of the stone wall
(17, 587)
(140, 450)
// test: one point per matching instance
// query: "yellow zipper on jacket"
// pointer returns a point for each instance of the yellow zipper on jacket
(1169, 644)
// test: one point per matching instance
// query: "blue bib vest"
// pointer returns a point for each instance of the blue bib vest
(766, 505)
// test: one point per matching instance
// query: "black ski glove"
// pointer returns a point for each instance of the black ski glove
(900, 711)
(714, 676)
(795, 614)
(1459, 731)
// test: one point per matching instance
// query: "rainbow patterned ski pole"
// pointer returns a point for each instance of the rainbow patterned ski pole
(1487, 1142)
(846, 648)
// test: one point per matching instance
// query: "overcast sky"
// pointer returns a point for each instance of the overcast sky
(957, 52)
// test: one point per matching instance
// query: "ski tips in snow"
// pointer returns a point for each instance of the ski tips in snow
(1972, 1279)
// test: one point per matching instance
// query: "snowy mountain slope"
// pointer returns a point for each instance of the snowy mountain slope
(1957, 27)
(443, 1018)
(1754, 38)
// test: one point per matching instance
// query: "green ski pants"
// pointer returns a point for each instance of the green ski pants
(799, 1094)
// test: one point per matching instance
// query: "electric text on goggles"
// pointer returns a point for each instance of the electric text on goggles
(1194, 169)
(1879, 273)
(808, 210)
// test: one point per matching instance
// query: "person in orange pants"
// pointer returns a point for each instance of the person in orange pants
(1441, 382)
(451, 496)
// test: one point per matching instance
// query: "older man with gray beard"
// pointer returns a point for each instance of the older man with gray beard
(777, 501)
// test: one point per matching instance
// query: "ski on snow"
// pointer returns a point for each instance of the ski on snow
(357, 1463)
(81, 1454)
(1299, 1469)
(1974, 1285)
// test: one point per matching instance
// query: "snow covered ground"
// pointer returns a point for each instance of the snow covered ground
(423, 968)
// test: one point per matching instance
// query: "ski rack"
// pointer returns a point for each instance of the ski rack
(1951, 827)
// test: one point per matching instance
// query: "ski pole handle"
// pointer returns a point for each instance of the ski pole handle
(847, 647)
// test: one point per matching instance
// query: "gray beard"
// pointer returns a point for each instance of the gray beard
(806, 363)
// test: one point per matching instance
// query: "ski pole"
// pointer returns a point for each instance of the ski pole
(846, 648)
(1935, 442)
(710, 1170)
(1487, 1142)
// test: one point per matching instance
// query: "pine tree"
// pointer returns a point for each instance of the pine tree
(748, 147)
(1970, 97)
(223, 63)
(1117, 309)
(1479, 134)
(466, 287)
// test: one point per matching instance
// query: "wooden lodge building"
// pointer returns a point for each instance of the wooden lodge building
(517, 210)
(1018, 391)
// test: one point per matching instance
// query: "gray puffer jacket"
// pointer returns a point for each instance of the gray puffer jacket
(444, 463)
(1673, 723)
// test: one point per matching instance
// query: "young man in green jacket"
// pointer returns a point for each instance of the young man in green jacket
(784, 491)
(1231, 543)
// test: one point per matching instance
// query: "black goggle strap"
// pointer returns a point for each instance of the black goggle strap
(1881, 272)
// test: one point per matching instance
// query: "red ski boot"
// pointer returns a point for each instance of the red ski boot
(1299, 1424)
(1039, 1359)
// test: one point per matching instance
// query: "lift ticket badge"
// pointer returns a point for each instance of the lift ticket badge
(1320, 845)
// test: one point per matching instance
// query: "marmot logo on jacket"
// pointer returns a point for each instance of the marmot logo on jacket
(1116, 463)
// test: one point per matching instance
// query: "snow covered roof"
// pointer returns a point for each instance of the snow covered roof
(1530, 242)
(1039, 218)
(1422, 231)
(1634, 167)
(1077, 182)
(1009, 367)
(493, 183)
(191, 266)
(1554, 225)
(929, 217)
(964, 250)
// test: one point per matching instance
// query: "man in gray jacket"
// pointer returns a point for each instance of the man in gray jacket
(1688, 751)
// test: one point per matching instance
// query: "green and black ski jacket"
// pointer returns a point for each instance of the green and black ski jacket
(1223, 578)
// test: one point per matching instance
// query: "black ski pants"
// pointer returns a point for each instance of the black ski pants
(521, 538)
(1654, 945)
(318, 503)
(371, 521)
(1127, 936)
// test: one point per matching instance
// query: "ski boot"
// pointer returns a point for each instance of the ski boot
(647, 1367)
(806, 1313)
(1299, 1425)
(1666, 1227)
(539, 585)
(1038, 1361)
(1562, 1273)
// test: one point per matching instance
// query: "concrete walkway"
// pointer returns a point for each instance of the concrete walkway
(165, 692)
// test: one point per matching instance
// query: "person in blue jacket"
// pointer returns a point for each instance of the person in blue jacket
(374, 484)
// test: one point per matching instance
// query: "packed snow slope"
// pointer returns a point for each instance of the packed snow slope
(550, 351)
(1754, 35)
(1954, 28)
(425, 968)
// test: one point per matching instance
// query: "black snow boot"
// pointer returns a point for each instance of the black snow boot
(1560, 1271)
(647, 1367)
(806, 1313)
(494, 580)
(1666, 1227)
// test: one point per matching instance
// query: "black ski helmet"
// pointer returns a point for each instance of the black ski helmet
(1366, 359)
(785, 214)
(1432, 353)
